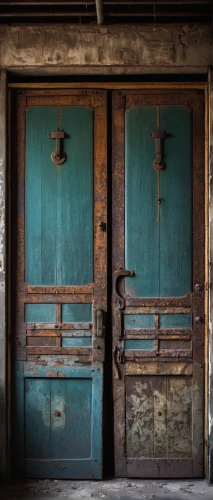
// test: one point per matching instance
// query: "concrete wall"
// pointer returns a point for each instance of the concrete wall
(91, 50)
(110, 50)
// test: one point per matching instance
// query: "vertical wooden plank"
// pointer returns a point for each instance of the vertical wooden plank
(3, 344)
(97, 421)
(78, 418)
(179, 417)
(18, 420)
(58, 418)
(41, 204)
(139, 417)
(75, 197)
(198, 278)
(37, 418)
(141, 224)
(175, 209)
(160, 417)
(118, 197)
(210, 328)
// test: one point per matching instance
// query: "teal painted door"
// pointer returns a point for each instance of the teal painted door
(61, 283)
(158, 264)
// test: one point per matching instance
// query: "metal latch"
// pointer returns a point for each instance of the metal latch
(118, 275)
(58, 156)
(119, 358)
(158, 135)
(100, 327)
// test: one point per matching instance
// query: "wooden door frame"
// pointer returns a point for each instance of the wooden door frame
(5, 327)
(124, 100)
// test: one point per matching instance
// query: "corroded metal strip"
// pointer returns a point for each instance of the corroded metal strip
(76, 351)
(74, 100)
(118, 263)
(59, 360)
(143, 99)
(54, 298)
(159, 310)
(134, 355)
(59, 326)
(151, 333)
(59, 289)
(185, 301)
(159, 368)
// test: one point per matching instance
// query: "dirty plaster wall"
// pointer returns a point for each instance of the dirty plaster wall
(112, 49)
(88, 49)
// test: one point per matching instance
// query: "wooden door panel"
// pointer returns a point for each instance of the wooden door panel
(158, 308)
(56, 224)
(61, 285)
(158, 206)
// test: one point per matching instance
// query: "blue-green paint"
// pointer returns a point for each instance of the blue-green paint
(158, 250)
(139, 344)
(76, 312)
(60, 469)
(176, 205)
(40, 313)
(139, 321)
(175, 321)
(76, 341)
(59, 199)
(58, 446)
(141, 227)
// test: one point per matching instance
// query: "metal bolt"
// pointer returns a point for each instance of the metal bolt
(198, 287)
(198, 320)
(57, 413)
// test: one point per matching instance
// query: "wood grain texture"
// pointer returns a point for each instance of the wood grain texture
(158, 417)
(66, 271)
(59, 208)
(141, 225)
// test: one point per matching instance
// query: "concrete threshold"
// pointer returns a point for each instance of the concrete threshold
(123, 489)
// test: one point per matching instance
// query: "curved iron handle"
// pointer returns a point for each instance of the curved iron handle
(120, 274)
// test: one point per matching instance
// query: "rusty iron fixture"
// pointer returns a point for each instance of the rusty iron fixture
(58, 156)
(198, 287)
(158, 135)
(119, 358)
(100, 323)
(198, 320)
(99, 11)
(102, 226)
(118, 275)
(57, 413)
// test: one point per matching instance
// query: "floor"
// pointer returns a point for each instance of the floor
(123, 489)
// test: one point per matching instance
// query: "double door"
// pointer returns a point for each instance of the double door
(61, 313)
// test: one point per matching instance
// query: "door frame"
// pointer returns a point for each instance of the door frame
(5, 330)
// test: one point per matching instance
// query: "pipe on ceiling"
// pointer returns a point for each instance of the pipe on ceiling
(99, 11)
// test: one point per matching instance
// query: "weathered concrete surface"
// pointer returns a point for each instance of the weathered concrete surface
(109, 490)
(112, 49)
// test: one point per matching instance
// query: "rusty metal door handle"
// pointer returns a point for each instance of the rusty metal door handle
(100, 331)
(118, 275)
(118, 356)
(58, 156)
